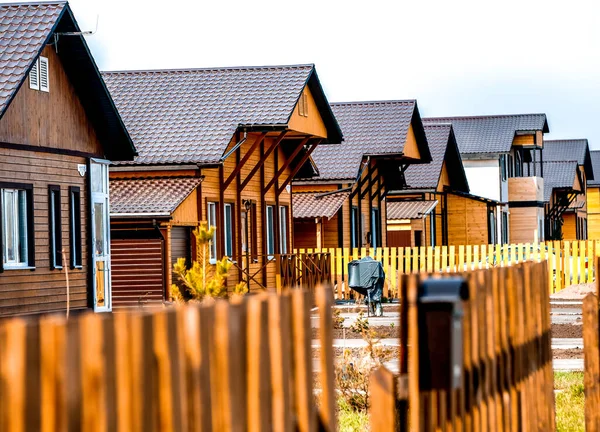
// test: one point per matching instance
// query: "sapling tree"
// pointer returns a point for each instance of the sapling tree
(202, 279)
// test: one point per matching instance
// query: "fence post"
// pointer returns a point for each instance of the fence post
(591, 354)
(383, 395)
(324, 301)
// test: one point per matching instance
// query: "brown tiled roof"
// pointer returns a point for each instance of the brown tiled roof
(190, 116)
(314, 205)
(409, 209)
(158, 197)
(490, 134)
(442, 146)
(370, 128)
(24, 29)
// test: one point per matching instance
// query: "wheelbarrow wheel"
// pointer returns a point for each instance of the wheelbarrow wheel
(378, 309)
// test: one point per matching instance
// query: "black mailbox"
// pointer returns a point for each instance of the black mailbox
(440, 316)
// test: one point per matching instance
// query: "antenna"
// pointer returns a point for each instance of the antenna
(79, 33)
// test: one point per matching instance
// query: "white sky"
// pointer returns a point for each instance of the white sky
(456, 57)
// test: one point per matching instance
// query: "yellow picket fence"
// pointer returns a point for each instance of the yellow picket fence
(569, 262)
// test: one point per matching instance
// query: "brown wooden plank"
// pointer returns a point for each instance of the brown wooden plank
(383, 393)
(591, 355)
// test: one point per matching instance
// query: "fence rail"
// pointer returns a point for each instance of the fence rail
(241, 365)
(506, 381)
(569, 262)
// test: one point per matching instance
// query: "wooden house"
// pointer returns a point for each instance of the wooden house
(563, 183)
(593, 198)
(345, 205)
(58, 130)
(574, 217)
(435, 207)
(219, 145)
(499, 154)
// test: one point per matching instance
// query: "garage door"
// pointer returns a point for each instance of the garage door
(137, 272)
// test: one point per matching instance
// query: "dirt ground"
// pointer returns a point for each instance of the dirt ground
(567, 354)
(574, 292)
(567, 331)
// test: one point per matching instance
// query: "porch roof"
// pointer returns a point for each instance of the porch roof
(149, 196)
(314, 205)
(410, 209)
(558, 175)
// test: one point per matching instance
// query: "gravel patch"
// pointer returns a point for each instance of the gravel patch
(567, 331)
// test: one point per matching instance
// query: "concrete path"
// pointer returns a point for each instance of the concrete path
(557, 343)
(567, 364)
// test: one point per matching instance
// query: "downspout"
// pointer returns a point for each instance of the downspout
(235, 147)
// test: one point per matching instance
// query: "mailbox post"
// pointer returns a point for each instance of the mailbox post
(440, 320)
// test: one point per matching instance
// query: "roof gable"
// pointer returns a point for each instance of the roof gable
(491, 134)
(595, 162)
(25, 29)
(442, 145)
(570, 150)
(191, 115)
(559, 175)
(370, 129)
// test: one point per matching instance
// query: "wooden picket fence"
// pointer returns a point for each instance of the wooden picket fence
(241, 365)
(591, 358)
(569, 262)
(507, 379)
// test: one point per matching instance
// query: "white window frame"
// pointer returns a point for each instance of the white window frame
(270, 228)
(283, 229)
(211, 218)
(44, 68)
(19, 261)
(34, 76)
(228, 229)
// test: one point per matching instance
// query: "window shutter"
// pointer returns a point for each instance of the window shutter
(44, 78)
(34, 77)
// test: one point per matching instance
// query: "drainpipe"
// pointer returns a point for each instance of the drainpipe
(235, 147)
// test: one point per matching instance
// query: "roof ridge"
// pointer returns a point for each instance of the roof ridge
(475, 117)
(376, 102)
(35, 3)
(564, 139)
(206, 69)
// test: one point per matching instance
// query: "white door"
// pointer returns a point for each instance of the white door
(100, 236)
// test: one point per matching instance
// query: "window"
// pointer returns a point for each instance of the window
(54, 227)
(16, 208)
(283, 230)
(212, 222)
(503, 170)
(354, 227)
(39, 76)
(270, 231)
(303, 105)
(504, 228)
(375, 228)
(518, 163)
(228, 227)
(44, 78)
(432, 228)
(491, 226)
(75, 226)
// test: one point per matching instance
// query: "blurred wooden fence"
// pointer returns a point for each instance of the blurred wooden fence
(240, 365)
(591, 356)
(569, 262)
(507, 380)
